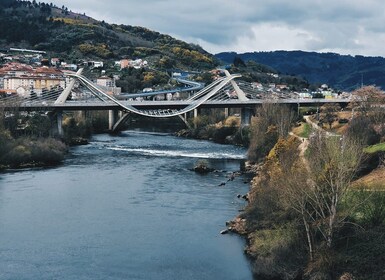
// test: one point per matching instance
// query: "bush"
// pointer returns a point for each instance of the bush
(370, 207)
(31, 152)
(48, 151)
(221, 133)
(361, 128)
(19, 155)
(232, 121)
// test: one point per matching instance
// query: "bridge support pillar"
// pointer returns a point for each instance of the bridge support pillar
(226, 113)
(112, 118)
(246, 114)
(82, 115)
(59, 120)
(196, 114)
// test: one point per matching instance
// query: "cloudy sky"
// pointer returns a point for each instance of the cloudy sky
(353, 27)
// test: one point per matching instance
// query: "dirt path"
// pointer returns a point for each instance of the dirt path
(304, 144)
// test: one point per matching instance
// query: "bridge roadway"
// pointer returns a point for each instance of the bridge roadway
(150, 105)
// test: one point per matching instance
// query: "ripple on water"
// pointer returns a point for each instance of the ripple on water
(108, 213)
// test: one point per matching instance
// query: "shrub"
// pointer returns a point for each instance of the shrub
(370, 207)
(48, 151)
(19, 155)
(221, 133)
(232, 121)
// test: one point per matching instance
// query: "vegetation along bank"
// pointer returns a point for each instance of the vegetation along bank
(317, 203)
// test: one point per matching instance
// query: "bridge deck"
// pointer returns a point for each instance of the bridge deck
(110, 105)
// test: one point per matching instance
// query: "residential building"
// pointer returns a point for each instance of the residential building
(126, 63)
(105, 81)
(108, 84)
(24, 78)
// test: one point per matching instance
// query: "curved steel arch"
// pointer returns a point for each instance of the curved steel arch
(198, 99)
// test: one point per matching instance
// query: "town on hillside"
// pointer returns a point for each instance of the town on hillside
(27, 73)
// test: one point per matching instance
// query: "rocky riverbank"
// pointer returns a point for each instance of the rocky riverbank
(227, 131)
(276, 240)
(30, 152)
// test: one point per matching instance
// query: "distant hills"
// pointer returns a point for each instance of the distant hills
(343, 72)
(73, 37)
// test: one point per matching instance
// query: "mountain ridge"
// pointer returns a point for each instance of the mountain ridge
(343, 72)
(74, 36)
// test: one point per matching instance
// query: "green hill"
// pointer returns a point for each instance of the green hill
(344, 72)
(72, 36)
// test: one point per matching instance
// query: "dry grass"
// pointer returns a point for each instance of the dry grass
(374, 180)
(298, 129)
(232, 121)
(336, 126)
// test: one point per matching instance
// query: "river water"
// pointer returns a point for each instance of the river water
(124, 207)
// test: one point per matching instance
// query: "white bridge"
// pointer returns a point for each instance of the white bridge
(222, 93)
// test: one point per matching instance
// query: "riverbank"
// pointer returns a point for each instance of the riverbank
(26, 152)
(276, 238)
(282, 243)
(227, 131)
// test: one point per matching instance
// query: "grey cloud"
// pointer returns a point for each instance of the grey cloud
(331, 24)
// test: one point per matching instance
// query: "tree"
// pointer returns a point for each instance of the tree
(315, 187)
(363, 98)
(370, 100)
(330, 115)
(272, 121)
(362, 129)
(333, 163)
(289, 177)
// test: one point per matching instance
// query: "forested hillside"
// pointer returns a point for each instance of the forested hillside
(60, 32)
(339, 71)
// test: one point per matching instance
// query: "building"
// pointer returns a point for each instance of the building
(105, 81)
(24, 79)
(124, 63)
(55, 61)
(95, 64)
(127, 63)
(108, 85)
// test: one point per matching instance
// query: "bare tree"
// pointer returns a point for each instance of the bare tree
(330, 113)
(272, 121)
(333, 164)
(363, 98)
(290, 177)
(315, 188)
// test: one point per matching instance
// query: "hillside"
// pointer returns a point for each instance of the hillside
(343, 72)
(72, 36)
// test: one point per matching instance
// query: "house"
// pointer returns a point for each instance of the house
(305, 95)
(71, 67)
(108, 85)
(105, 81)
(282, 87)
(256, 85)
(124, 63)
(55, 61)
(95, 64)
(24, 78)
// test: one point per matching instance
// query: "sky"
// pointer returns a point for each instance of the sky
(354, 27)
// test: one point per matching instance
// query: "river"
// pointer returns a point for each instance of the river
(125, 207)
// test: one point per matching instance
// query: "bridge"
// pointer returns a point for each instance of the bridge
(82, 94)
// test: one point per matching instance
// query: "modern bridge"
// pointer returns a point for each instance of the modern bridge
(82, 94)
